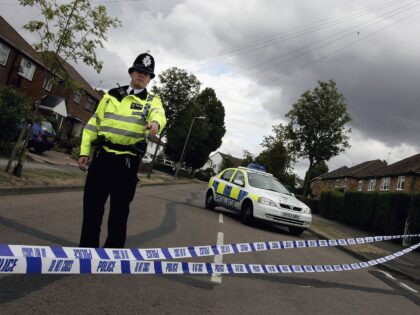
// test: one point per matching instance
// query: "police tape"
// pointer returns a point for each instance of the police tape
(179, 252)
(40, 265)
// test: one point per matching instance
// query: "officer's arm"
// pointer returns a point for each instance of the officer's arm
(157, 114)
(90, 131)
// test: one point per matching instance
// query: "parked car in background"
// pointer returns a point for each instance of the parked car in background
(42, 136)
(255, 194)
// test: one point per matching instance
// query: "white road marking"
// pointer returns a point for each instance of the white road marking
(408, 288)
(400, 283)
(388, 275)
(220, 218)
(218, 259)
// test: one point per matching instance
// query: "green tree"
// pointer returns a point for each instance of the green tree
(66, 31)
(206, 135)
(276, 158)
(71, 31)
(226, 162)
(177, 88)
(315, 171)
(14, 109)
(316, 130)
(247, 158)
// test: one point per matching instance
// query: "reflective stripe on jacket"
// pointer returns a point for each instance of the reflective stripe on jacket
(122, 122)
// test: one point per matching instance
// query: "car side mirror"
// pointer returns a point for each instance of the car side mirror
(238, 182)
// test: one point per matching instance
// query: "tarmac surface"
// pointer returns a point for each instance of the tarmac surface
(406, 266)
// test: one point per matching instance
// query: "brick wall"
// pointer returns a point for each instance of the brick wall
(32, 88)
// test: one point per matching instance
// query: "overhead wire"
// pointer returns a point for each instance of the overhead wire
(285, 36)
(307, 30)
(348, 32)
(345, 47)
(410, 113)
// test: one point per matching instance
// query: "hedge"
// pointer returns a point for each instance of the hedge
(379, 213)
(331, 204)
(313, 204)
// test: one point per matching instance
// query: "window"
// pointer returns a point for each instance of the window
(90, 104)
(400, 182)
(360, 185)
(266, 182)
(385, 183)
(227, 175)
(372, 184)
(27, 69)
(239, 176)
(77, 97)
(47, 84)
(346, 182)
(4, 54)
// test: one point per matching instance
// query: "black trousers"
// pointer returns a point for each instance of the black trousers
(108, 175)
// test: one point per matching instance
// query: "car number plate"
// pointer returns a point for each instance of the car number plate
(50, 139)
(290, 216)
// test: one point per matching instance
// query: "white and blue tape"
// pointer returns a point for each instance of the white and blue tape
(73, 260)
(179, 252)
(42, 265)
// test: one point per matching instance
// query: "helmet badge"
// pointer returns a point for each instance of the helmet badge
(146, 61)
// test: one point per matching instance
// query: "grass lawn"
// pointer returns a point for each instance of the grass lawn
(41, 177)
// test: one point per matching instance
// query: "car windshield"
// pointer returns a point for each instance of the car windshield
(46, 126)
(267, 183)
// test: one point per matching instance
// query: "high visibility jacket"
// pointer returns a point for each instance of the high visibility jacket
(122, 119)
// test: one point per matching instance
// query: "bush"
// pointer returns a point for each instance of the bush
(331, 204)
(324, 203)
(75, 153)
(414, 221)
(392, 213)
(379, 213)
(368, 206)
(311, 203)
(14, 108)
(164, 168)
(204, 175)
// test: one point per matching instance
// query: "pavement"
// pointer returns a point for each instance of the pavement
(406, 266)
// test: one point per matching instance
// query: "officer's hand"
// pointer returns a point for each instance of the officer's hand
(153, 128)
(83, 161)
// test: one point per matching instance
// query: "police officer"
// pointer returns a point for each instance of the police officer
(117, 133)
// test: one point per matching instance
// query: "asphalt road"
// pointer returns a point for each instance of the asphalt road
(170, 216)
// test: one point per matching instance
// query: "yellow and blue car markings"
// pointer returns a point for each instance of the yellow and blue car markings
(228, 195)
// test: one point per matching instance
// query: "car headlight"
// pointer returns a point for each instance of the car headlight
(267, 202)
(306, 210)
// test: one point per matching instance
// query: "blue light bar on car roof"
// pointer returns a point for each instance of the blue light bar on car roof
(257, 167)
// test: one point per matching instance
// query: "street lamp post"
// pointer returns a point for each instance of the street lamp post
(179, 165)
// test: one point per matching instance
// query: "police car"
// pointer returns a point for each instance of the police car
(256, 194)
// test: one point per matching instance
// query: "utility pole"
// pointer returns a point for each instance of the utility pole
(17, 171)
(179, 164)
(22, 133)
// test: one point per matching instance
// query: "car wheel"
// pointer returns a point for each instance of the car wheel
(210, 200)
(296, 231)
(246, 213)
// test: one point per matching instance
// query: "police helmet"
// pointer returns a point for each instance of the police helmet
(144, 63)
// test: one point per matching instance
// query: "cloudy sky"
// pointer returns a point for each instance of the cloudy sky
(261, 55)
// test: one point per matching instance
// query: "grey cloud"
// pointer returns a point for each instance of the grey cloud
(378, 75)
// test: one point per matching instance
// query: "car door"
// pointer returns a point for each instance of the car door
(224, 188)
(238, 190)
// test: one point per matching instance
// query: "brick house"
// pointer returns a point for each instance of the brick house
(369, 176)
(22, 68)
